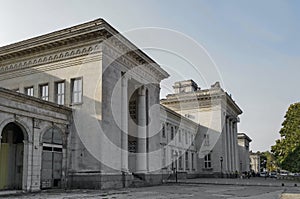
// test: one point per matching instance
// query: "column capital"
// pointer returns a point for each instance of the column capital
(232, 119)
(124, 80)
(142, 91)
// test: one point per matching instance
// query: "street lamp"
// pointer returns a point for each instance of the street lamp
(175, 162)
(221, 161)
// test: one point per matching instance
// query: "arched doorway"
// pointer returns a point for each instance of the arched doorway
(11, 157)
(52, 156)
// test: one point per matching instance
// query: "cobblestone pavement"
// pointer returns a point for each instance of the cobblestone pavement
(195, 189)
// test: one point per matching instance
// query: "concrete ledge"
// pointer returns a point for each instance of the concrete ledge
(290, 196)
(10, 193)
(99, 181)
(237, 182)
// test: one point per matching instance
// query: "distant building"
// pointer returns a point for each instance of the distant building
(217, 114)
(244, 156)
(255, 161)
(179, 143)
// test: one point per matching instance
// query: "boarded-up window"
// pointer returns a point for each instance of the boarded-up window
(52, 159)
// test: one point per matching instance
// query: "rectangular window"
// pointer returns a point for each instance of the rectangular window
(163, 131)
(206, 140)
(186, 138)
(60, 92)
(192, 139)
(44, 92)
(29, 91)
(207, 161)
(172, 132)
(193, 166)
(187, 160)
(164, 161)
(172, 157)
(180, 160)
(179, 135)
(76, 90)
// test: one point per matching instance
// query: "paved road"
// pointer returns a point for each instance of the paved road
(195, 189)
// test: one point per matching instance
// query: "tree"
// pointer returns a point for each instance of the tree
(267, 161)
(287, 148)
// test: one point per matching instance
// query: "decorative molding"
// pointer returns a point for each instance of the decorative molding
(58, 56)
(36, 123)
(140, 70)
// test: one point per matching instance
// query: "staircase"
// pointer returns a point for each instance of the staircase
(138, 180)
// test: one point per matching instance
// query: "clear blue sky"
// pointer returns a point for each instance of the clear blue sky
(255, 44)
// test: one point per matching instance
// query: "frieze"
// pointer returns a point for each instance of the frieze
(139, 68)
(59, 56)
(112, 46)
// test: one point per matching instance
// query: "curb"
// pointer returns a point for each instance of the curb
(229, 183)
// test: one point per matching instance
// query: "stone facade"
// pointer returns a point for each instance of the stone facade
(24, 124)
(217, 114)
(81, 109)
(94, 71)
(244, 154)
(255, 162)
(179, 144)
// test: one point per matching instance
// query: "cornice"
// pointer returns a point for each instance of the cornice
(66, 37)
(244, 136)
(25, 99)
(200, 98)
(175, 114)
(56, 38)
(139, 69)
(51, 58)
(231, 103)
(205, 98)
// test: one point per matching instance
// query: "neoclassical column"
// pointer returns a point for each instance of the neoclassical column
(225, 146)
(229, 155)
(233, 146)
(141, 162)
(124, 124)
(236, 146)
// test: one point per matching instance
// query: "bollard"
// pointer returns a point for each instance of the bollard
(282, 184)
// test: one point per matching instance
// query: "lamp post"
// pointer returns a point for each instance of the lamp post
(175, 162)
(221, 161)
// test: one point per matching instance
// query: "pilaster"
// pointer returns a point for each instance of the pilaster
(124, 124)
(141, 162)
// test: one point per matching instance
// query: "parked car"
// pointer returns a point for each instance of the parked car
(284, 173)
(263, 174)
(273, 174)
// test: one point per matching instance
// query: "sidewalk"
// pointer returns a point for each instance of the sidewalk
(10, 193)
(290, 190)
(254, 181)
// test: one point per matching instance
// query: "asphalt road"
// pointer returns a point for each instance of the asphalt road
(170, 191)
(200, 189)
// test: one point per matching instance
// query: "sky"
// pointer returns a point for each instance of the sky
(251, 47)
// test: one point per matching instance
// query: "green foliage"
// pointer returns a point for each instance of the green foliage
(268, 161)
(287, 148)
